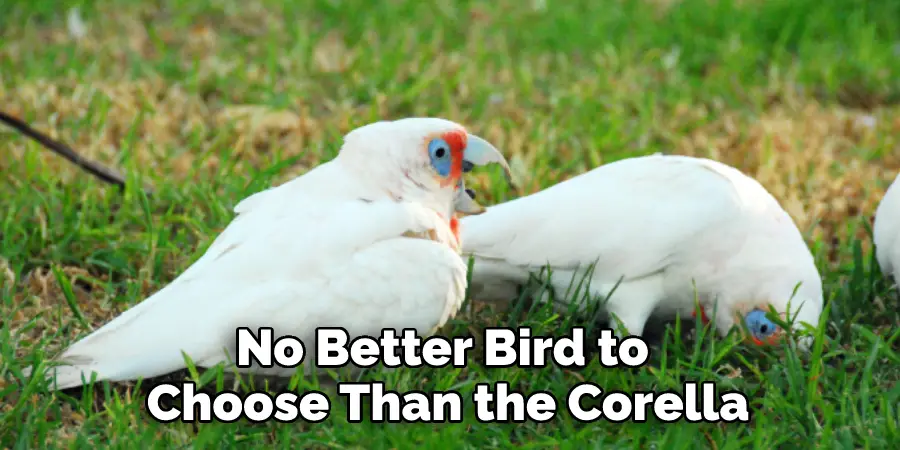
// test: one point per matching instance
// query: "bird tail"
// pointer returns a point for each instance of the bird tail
(78, 370)
(68, 376)
(65, 377)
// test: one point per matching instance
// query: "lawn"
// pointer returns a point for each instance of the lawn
(211, 100)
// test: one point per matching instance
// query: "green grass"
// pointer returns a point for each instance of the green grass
(559, 90)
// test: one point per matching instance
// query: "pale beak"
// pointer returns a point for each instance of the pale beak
(480, 152)
(465, 203)
(804, 343)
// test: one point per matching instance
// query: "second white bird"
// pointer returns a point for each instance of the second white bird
(660, 224)
(886, 231)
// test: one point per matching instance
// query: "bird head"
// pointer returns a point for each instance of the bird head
(757, 322)
(431, 155)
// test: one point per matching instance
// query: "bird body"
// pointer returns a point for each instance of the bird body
(653, 227)
(886, 231)
(363, 242)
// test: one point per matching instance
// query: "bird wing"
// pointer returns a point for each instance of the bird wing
(631, 217)
(886, 230)
(314, 264)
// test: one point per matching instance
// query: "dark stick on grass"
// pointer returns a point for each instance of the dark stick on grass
(105, 174)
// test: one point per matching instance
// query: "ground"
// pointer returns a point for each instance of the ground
(211, 100)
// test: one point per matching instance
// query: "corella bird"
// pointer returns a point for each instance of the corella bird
(886, 231)
(663, 231)
(365, 242)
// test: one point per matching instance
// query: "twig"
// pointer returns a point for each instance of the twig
(105, 174)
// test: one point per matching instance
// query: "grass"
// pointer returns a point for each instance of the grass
(215, 99)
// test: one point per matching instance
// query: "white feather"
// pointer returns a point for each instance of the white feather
(886, 231)
(334, 247)
(657, 222)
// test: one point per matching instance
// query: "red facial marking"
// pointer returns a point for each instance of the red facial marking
(703, 317)
(457, 140)
(771, 340)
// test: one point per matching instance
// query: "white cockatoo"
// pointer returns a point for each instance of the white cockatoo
(656, 227)
(366, 241)
(886, 231)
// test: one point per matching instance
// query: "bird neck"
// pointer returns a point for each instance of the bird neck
(409, 185)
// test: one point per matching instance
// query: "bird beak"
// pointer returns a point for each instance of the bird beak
(465, 204)
(804, 343)
(480, 152)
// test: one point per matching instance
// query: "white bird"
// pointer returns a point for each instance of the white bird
(658, 226)
(886, 231)
(366, 241)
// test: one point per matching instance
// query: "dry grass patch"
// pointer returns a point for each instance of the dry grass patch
(827, 165)
(164, 126)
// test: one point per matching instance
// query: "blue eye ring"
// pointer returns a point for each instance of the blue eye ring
(439, 153)
(759, 324)
(438, 149)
